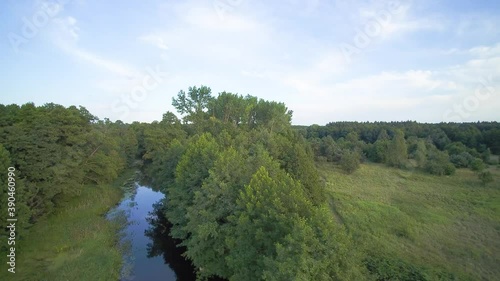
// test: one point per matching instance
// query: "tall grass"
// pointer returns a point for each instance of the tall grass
(414, 226)
(76, 242)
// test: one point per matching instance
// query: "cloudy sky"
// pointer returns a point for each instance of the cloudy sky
(335, 60)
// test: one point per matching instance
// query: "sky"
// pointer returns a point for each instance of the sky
(336, 60)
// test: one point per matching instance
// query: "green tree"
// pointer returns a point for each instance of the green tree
(397, 153)
(438, 163)
(477, 165)
(350, 161)
(421, 154)
(380, 148)
(193, 103)
(192, 170)
(228, 107)
(209, 224)
(330, 149)
(268, 206)
(315, 249)
(18, 191)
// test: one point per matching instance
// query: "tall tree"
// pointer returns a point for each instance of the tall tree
(193, 103)
(397, 153)
(192, 170)
(421, 154)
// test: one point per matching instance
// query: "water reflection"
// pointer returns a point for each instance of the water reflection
(150, 253)
(134, 209)
(163, 245)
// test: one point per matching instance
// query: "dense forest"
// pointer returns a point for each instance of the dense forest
(435, 148)
(57, 151)
(243, 192)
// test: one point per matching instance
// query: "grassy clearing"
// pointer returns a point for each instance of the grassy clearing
(416, 226)
(76, 242)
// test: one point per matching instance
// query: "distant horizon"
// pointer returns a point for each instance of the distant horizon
(293, 124)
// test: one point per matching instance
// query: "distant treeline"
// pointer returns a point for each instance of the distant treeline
(479, 135)
(436, 148)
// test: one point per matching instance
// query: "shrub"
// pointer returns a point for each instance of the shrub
(477, 165)
(462, 160)
(438, 163)
(485, 177)
(350, 161)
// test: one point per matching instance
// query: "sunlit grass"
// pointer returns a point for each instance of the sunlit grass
(447, 227)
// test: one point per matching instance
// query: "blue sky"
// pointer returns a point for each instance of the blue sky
(335, 60)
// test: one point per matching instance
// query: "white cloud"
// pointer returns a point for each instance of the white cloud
(486, 51)
(409, 93)
(473, 25)
(65, 35)
(207, 19)
(155, 40)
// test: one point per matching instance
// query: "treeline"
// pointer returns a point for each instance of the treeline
(242, 191)
(56, 151)
(435, 148)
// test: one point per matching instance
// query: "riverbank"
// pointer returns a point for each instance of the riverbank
(76, 242)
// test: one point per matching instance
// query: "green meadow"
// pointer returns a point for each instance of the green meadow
(415, 226)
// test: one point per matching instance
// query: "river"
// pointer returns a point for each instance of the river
(149, 252)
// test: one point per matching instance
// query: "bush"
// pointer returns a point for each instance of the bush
(350, 161)
(385, 268)
(449, 169)
(438, 164)
(477, 165)
(462, 160)
(485, 177)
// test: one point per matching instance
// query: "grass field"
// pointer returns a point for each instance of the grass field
(414, 226)
(76, 242)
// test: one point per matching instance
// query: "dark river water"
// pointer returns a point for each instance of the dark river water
(150, 253)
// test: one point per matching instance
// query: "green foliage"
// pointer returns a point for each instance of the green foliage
(383, 268)
(379, 150)
(438, 163)
(23, 213)
(492, 139)
(60, 155)
(397, 153)
(231, 108)
(243, 190)
(477, 165)
(208, 223)
(267, 208)
(474, 138)
(193, 103)
(192, 169)
(485, 177)
(330, 149)
(279, 235)
(420, 154)
(56, 150)
(462, 160)
(350, 161)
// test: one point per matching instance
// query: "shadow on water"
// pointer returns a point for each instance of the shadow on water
(164, 245)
